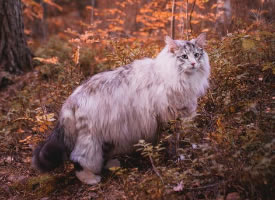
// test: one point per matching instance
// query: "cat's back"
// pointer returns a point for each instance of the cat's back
(121, 76)
(110, 82)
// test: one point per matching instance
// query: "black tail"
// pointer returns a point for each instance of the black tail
(50, 154)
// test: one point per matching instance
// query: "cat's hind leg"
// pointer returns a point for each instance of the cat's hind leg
(88, 158)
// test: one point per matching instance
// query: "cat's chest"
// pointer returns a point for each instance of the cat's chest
(195, 83)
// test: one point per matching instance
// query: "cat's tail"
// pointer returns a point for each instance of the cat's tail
(52, 153)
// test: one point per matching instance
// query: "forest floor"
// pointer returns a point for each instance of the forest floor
(226, 152)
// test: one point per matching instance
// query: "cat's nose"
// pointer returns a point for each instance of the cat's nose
(193, 64)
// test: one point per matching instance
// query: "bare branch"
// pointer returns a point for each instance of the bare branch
(190, 16)
(186, 15)
(155, 169)
(173, 20)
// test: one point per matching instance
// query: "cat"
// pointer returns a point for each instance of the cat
(113, 110)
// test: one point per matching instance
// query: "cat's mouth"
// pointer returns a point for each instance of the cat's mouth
(191, 70)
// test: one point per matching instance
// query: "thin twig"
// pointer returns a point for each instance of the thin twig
(23, 118)
(92, 11)
(173, 20)
(203, 187)
(178, 124)
(190, 16)
(182, 19)
(186, 19)
(155, 169)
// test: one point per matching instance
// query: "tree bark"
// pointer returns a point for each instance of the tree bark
(15, 56)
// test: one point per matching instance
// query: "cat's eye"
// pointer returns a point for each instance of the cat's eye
(197, 55)
(184, 56)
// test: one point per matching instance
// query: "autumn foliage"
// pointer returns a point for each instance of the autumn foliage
(225, 152)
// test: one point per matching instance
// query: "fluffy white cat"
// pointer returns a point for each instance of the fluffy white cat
(113, 110)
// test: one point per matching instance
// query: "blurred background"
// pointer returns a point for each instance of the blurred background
(144, 18)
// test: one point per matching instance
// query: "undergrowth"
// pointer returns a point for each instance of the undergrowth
(227, 150)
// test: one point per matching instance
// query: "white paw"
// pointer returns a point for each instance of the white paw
(88, 177)
(95, 180)
(112, 163)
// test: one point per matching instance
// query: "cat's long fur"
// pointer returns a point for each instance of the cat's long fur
(110, 112)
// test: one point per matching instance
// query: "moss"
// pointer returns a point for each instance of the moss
(40, 186)
(55, 47)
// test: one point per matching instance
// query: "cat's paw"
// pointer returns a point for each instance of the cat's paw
(88, 177)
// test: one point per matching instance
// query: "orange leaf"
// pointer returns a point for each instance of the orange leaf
(76, 55)
(53, 4)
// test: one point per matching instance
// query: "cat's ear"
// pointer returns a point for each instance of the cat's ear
(201, 40)
(172, 45)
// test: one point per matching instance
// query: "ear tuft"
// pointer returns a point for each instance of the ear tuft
(172, 45)
(201, 40)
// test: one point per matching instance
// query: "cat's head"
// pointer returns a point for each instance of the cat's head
(189, 55)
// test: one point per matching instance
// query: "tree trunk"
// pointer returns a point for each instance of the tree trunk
(15, 56)
(224, 15)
